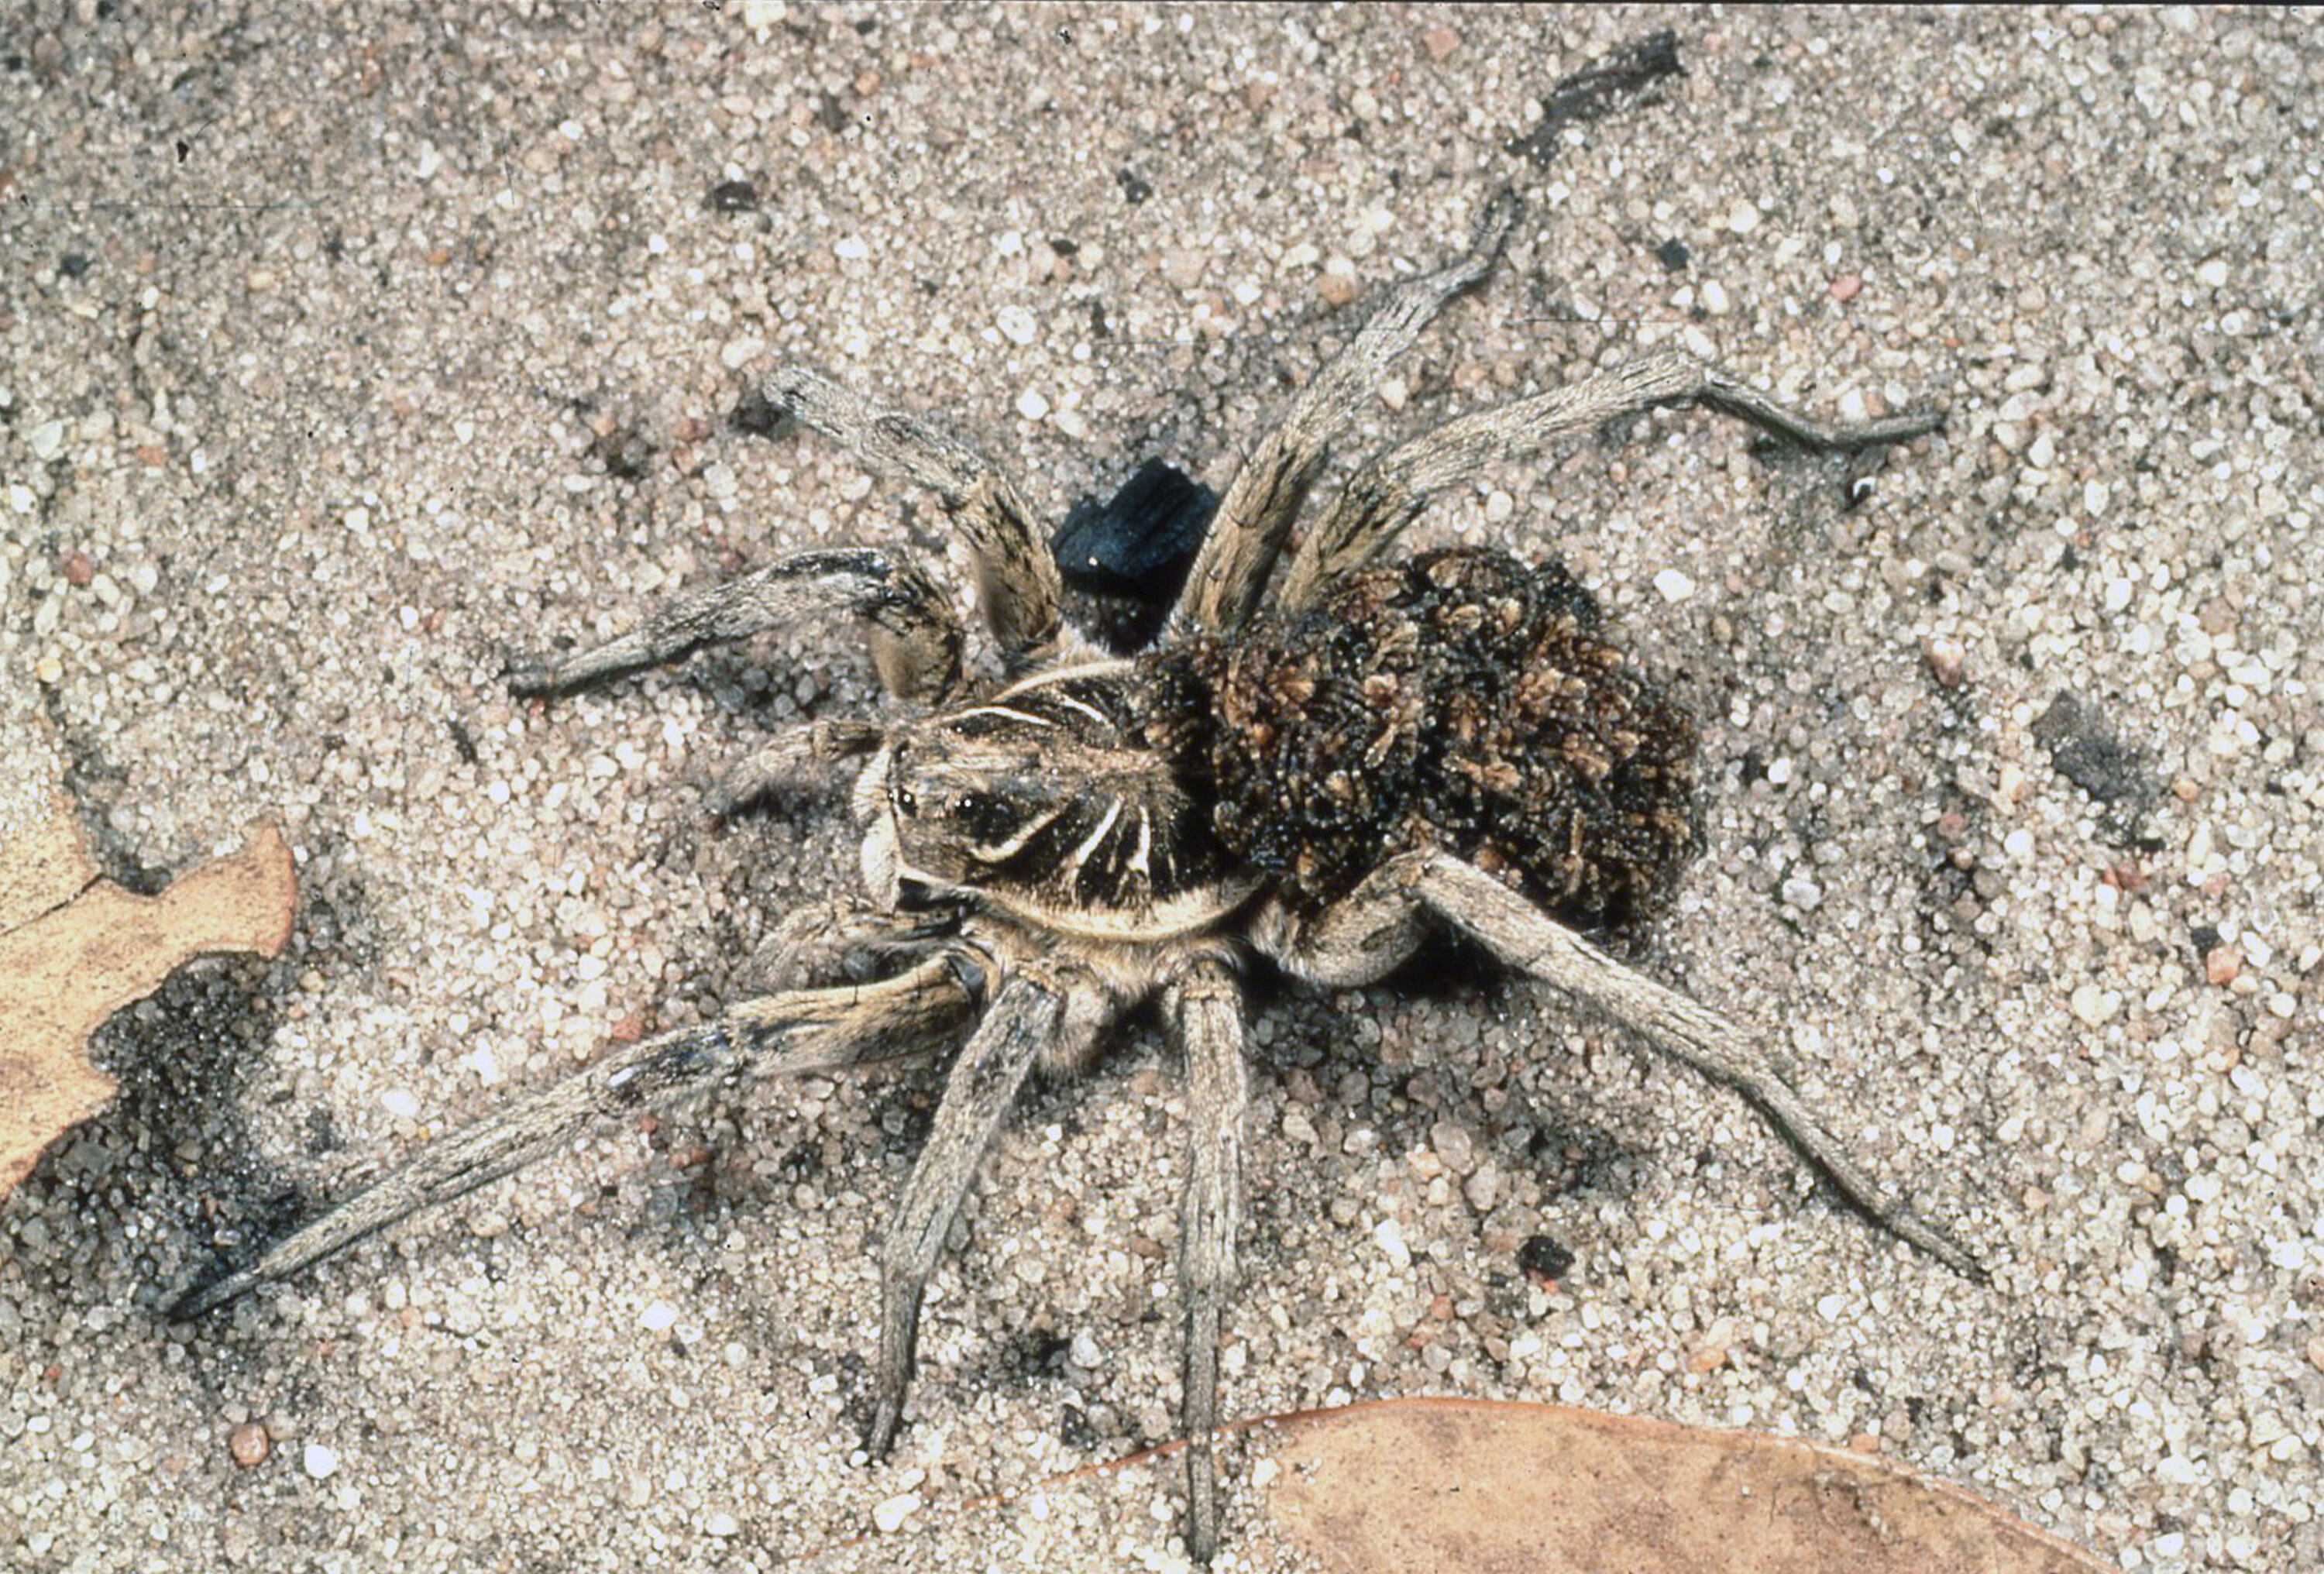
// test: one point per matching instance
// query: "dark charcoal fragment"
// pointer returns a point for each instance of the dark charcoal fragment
(1673, 254)
(1588, 95)
(1127, 558)
(1543, 1258)
(732, 197)
(2087, 753)
(758, 416)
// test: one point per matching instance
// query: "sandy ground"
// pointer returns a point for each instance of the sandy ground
(348, 349)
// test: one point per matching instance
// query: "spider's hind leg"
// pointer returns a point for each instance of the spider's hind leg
(916, 639)
(784, 1034)
(1205, 1008)
(1380, 921)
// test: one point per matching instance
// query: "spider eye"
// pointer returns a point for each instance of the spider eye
(985, 816)
(905, 803)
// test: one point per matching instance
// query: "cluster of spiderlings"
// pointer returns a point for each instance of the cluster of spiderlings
(1461, 700)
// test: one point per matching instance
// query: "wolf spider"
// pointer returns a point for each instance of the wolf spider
(1322, 777)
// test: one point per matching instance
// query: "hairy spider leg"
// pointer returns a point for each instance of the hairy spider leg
(776, 1035)
(830, 940)
(1376, 926)
(1016, 579)
(1246, 536)
(1204, 1005)
(1386, 493)
(916, 639)
(1031, 1019)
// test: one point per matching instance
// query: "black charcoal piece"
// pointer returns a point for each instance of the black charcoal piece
(1123, 561)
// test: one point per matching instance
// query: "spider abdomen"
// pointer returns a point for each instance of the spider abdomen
(1464, 700)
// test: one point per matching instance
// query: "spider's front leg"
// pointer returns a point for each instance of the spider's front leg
(777, 1036)
(916, 639)
(1246, 533)
(1016, 579)
(1379, 922)
(1389, 491)
(842, 940)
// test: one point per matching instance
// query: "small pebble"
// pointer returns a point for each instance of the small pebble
(322, 1463)
(2096, 1007)
(1440, 41)
(659, 1318)
(720, 1524)
(1674, 586)
(2223, 964)
(77, 568)
(891, 1515)
(1017, 324)
(1846, 287)
(249, 1445)
(1184, 267)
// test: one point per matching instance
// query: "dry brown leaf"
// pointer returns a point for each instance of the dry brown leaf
(45, 869)
(1471, 1486)
(75, 949)
(1485, 1487)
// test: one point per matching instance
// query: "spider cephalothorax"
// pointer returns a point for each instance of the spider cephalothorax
(1321, 761)
(1048, 802)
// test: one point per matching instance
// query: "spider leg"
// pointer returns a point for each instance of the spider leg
(1247, 534)
(1386, 493)
(1356, 941)
(792, 757)
(842, 940)
(1527, 939)
(1205, 1008)
(1016, 579)
(916, 639)
(781, 1036)
(1029, 1019)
